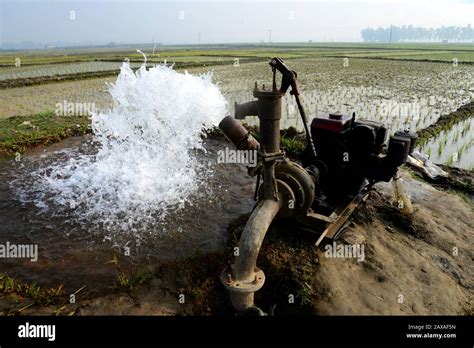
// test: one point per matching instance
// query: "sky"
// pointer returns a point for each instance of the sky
(180, 22)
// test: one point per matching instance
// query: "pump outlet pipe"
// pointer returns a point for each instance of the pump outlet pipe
(244, 278)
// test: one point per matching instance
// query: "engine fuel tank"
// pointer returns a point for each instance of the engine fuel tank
(334, 122)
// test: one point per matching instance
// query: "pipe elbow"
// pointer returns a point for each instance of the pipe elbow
(245, 278)
(246, 109)
(252, 238)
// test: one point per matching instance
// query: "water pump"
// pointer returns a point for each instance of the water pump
(343, 158)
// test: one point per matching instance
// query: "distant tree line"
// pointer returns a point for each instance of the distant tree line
(409, 33)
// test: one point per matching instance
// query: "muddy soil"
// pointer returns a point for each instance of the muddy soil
(460, 180)
(425, 258)
(414, 265)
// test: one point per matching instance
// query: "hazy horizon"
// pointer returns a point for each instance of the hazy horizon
(89, 22)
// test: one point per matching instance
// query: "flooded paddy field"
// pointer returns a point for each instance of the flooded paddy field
(454, 146)
(402, 95)
(416, 91)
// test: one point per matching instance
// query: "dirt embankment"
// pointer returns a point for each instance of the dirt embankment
(32, 81)
(414, 265)
(459, 180)
(447, 121)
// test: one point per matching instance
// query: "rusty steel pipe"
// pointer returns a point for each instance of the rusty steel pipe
(245, 278)
(246, 109)
(237, 134)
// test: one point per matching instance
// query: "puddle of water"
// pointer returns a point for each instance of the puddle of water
(145, 185)
(73, 253)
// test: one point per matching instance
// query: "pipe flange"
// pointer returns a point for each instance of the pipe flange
(240, 286)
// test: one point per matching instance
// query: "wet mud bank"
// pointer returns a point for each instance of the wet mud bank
(447, 121)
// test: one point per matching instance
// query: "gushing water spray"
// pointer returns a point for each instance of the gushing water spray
(144, 166)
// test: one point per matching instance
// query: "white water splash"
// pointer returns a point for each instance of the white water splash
(144, 167)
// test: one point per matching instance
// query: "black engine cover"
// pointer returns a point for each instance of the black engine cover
(347, 157)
